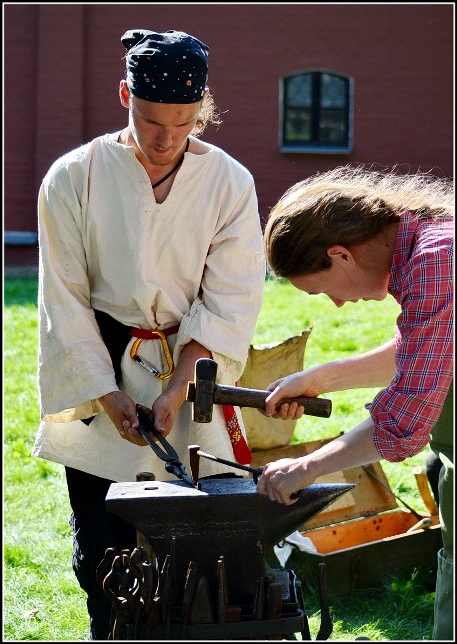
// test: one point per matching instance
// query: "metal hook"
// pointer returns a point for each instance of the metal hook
(149, 368)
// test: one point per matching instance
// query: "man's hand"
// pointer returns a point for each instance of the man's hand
(167, 404)
(165, 407)
(122, 411)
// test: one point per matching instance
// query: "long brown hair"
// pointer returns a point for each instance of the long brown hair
(347, 206)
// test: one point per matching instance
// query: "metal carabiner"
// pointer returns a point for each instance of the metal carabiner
(149, 368)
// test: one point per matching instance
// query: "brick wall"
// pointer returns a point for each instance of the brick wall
(63, 63)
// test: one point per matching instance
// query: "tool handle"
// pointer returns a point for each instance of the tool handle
(242, 397)
(424, 489)
(224, 395)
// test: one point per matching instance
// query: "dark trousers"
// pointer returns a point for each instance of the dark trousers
(94, 530)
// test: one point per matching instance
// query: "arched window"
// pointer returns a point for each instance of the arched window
(316, 112)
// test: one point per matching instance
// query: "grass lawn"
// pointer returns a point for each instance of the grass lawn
(42, 600)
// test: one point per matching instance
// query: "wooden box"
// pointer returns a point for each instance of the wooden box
(364, 537)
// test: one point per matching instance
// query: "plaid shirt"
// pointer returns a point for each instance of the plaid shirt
(422, 283)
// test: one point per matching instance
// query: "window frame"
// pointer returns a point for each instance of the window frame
(313, 147)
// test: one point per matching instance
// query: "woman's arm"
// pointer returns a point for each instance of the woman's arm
(375, 368)
(284, 477)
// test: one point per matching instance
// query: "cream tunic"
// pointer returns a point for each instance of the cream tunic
(195, 260)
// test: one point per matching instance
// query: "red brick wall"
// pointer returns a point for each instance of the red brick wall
(63, 63)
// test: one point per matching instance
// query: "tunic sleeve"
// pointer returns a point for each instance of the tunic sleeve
(224, 315)
(74, 367)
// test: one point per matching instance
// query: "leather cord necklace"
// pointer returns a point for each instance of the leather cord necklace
(154, 185)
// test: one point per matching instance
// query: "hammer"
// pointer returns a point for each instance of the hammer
(204, 393)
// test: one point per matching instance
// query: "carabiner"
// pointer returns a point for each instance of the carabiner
(134, 355)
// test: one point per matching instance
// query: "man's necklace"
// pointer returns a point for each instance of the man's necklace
(154, 185)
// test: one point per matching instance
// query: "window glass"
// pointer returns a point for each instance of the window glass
(298, 125)
(316, 112)
(299, 91)
(333, 127)
(333, 91)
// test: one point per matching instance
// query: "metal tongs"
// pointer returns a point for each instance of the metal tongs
(173, 464)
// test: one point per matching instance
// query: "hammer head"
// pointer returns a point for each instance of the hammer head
(202, 391)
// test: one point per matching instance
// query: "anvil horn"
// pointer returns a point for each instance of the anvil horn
(281, 520)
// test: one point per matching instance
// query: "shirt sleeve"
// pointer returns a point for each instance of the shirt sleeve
(405, 412)
(224, 316)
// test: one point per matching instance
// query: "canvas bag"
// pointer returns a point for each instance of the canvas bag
(265, 364)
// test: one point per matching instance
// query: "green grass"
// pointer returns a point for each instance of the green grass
(42, 599)
(401, 610)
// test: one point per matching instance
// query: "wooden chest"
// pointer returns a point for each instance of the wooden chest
(362, 538)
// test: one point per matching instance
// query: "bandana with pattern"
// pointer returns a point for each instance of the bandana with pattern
(170, 67)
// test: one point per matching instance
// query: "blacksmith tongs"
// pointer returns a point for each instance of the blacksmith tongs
(173, 464)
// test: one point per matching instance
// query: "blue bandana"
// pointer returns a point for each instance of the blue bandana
(171, 67)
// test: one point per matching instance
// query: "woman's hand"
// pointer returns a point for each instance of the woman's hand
(284, 477)
(302, 383)
(375, 368)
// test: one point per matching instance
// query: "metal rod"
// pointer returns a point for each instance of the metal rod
(253, 470)
(257, 471)
(371, 473)
(194, 460)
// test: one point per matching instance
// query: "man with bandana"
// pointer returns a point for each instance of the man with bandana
(151, 257)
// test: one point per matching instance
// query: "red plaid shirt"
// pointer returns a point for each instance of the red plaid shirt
(422, 283)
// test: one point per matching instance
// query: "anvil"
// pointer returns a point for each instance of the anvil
(223, 517)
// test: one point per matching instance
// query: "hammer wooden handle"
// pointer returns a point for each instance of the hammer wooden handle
(242, 397)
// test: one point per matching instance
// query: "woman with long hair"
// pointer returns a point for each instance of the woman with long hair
(358, 234)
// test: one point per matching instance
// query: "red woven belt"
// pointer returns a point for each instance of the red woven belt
(148, 334)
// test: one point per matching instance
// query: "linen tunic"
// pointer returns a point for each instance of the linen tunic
(195, 260)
